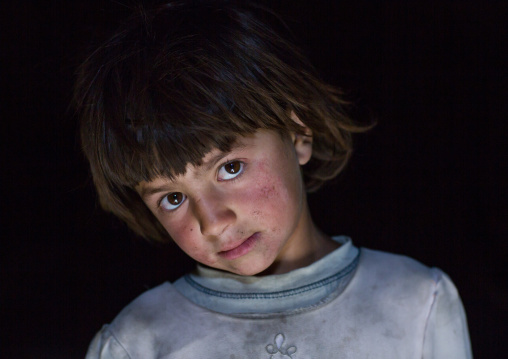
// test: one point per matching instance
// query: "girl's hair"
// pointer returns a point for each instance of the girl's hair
(191, 76)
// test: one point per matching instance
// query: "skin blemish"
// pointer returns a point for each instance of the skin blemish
(269, 191)
(266, 186)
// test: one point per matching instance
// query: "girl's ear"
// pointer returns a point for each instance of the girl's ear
(302, 143)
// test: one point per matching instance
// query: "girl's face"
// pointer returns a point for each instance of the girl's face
(240, 211)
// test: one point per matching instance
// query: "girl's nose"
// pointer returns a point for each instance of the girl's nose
(213, 214)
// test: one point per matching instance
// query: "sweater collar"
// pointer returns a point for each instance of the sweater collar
(296, 290)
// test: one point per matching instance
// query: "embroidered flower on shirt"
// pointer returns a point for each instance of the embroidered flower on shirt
(279, 348)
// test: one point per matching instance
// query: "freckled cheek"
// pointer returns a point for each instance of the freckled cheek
(269, 201)
(188, 239)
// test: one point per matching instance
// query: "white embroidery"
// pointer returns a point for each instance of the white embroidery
(279, 348)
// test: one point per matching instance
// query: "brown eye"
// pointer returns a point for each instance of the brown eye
(172, 201)
(175, 198)
(233, 167)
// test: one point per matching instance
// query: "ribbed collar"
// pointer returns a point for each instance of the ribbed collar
(298, 290)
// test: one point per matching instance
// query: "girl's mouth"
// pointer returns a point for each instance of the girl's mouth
(242, 249)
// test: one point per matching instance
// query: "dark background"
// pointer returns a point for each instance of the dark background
(429, 181)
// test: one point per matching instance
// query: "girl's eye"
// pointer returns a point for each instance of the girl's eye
(172, 201)
(230, 170)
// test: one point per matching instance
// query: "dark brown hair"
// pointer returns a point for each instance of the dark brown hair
(190, 76)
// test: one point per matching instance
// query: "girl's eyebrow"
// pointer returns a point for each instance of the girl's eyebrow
(212, 161)
(146, 191)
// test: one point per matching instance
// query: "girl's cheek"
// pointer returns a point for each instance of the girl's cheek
(268, 198)
(187, 236)
(186, 239)
(181, 232)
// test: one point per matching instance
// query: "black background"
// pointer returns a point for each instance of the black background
(430, 181)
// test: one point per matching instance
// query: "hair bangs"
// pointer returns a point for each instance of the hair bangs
(160, 136)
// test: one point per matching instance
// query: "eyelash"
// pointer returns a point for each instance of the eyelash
(223, 166)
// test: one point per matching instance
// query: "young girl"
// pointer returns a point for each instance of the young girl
(205, 126)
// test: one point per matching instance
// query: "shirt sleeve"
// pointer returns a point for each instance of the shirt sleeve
(446, 333)
(105, 346)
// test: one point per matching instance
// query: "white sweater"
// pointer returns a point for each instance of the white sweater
(350, 304)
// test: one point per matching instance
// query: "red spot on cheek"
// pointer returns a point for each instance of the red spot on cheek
(266, 187)
(269, 191)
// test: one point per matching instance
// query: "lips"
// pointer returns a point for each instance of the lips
(241, 249)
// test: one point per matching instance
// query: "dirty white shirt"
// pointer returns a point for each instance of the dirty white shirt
(353, 303)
